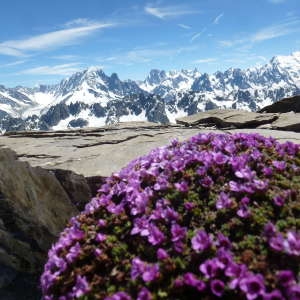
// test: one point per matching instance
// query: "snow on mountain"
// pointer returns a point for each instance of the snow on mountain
(92, 98)
(161, 82)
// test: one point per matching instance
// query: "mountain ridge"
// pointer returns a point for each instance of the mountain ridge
(93, 98)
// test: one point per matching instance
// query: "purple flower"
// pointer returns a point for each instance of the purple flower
(100, 237)
(292, 243)
(189, 205)
(144, 294)
(223, 241)
(81, 287)
(267, 171)
(237, 272)
(294, 292)
(244, 212)
(191, 280)
(276, 242)
(102, 223)
(119, 296)
(73, 253)
(149, 272)
(162, 254)
(219, 158)
(245, 173)
(178, 232)
(201, 241)
(217, 287)
(260, 185)
(178, 282)
(155, 236)
(75, 234)
(234, 186)
(141, 226)
(206, 182)
(223, 201)
(211, 267)
(182, 186)
(279, 200)
(285, 278)
(97, 252)
(279, 165)
(269, 230)
(274, 295)
(224, 256)
(253, 286)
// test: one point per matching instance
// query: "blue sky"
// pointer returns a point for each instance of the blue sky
(45, 41)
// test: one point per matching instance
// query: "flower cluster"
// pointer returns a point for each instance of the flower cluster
(216, 216)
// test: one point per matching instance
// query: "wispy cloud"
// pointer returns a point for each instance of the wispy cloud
(218, 18)
(15, 63)
(205, 60)
(275, 31)
(66, 57)
(197, 35)
(62, 69)
(184, 26)
(50, 40)
(169, 11)
(80, 22)
(145, 55)
(287, 27)
(277, 1)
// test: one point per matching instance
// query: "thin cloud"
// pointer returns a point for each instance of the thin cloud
(66, 57)
(197, 35)
(205, 60)
(15, 63)
(267, 33)
(184, 26)
(145, 55)
(80, 22)
(218, 18)
(62, 69)
(275, 31)
(50, 40)
(169, 11)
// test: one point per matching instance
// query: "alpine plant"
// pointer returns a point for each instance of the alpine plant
(217, 216)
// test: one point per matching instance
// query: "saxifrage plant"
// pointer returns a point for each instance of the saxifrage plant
(217, 216)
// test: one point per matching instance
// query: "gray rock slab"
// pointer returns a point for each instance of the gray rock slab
(223, 118)
(287, 121)
(99, 152)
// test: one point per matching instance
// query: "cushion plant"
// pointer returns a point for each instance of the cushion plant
(215, 216)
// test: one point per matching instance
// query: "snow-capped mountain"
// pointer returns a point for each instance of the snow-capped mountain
(92, 98)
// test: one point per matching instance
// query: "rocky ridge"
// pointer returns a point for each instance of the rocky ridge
(92, 98)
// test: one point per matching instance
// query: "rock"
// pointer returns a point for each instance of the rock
(287, 121)
(101, 151)
(76, 186)
(284, 105)
(78, 123)
(222, 118)
(34, 208)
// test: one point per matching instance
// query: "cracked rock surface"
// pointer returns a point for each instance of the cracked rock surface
(101, 151)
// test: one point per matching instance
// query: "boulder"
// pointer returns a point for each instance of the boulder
(284, 105)
(34, 208)
(224, 118)
(287, 121)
